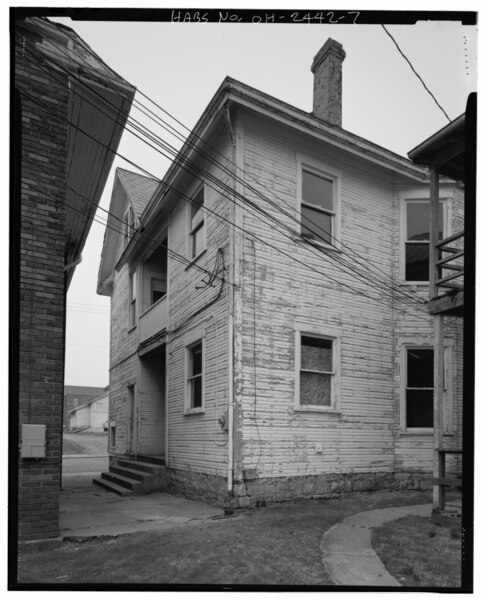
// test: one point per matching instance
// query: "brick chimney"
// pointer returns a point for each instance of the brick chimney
(328, 79)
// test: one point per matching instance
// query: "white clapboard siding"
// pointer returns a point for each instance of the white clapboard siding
(197, 441)
(365, 435)
(123, 360)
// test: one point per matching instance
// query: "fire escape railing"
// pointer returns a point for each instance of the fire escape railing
(450, 263)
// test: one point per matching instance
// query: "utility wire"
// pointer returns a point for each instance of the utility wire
(366, 264)
(174, 255)
(399, 292)
(413, 69)
(292, 232)
(318, 271)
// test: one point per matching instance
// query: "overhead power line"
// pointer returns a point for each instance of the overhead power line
(356, 259)
(341, 260)
(413, 69)
(385, 290)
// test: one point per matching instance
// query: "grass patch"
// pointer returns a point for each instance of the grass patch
(420, 554)
(274, 545)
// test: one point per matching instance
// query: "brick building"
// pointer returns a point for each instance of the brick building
(70, 110)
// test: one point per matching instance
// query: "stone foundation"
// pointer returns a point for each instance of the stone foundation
(198, 486)
(253, 492)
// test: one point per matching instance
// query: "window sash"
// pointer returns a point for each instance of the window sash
(318, 226)
(419, 399)
(324, 196)
(418, 268)
(195, 366)
(197, 239)
(132, 298)
(318, 205)
(195, 391)
(158, 290)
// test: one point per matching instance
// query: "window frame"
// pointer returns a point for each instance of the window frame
(316, 167)
(327, 333)
(446, 219)
(129, 223)
(426, 344)
(153, 289)
(191, 342)
(195, 223)
(132, 298)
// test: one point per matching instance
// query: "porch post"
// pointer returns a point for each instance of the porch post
(438, 458)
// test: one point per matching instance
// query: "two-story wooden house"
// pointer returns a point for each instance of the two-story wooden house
(270, 335)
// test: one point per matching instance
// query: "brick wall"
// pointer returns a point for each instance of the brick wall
(41, 293)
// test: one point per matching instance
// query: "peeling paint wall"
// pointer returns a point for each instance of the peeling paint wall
(196, 440)
(363, 435)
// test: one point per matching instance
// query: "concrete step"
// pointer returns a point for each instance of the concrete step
(138, 465)
(129, 483)
(112, 487)
(142, 476)
(156, 460)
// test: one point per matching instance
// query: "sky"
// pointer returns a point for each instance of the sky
(181, 65)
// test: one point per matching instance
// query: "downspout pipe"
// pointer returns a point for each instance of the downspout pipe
(230, 466)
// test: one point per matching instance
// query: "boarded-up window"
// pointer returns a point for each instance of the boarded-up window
(195, 375)
(316, 371)
(317, 207)
(420, 387)
(417, 239)
(197, 224)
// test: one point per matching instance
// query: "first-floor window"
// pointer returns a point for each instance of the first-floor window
(419, 388)
(195, 375)
(316, 371)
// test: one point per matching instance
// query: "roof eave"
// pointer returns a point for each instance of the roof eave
(238, 93)
(423, 152)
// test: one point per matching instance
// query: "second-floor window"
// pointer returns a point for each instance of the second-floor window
(132, 298)
(318, 208)
(158, 290)
(417, 238)
(197, 224)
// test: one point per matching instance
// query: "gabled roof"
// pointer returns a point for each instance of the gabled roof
(90, 401)
(82, 390)
(139, 189)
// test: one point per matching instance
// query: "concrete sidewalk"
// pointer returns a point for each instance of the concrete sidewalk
(88, 511)
(348, 555)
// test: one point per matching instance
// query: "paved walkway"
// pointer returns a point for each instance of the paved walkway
(88, 511)
(347, 552)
